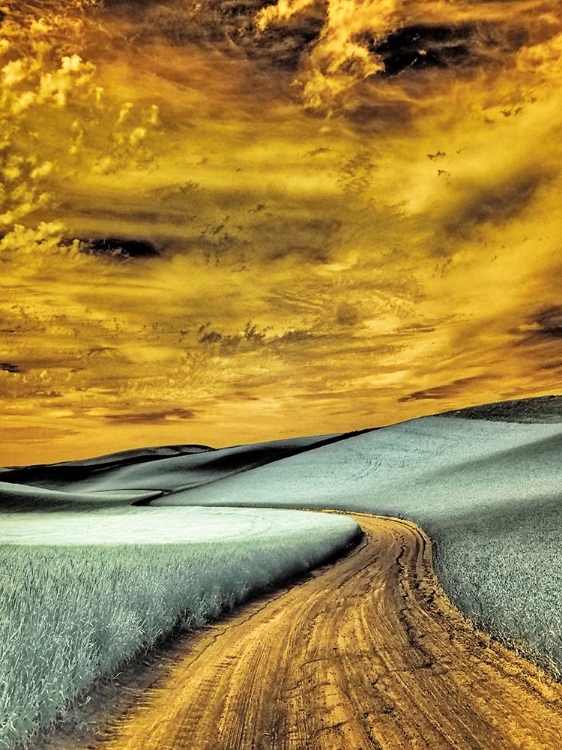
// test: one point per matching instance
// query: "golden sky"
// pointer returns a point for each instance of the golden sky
(332, 215)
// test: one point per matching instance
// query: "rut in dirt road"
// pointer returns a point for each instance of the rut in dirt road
(367, 654)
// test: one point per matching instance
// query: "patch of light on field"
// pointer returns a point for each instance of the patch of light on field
(162, 526)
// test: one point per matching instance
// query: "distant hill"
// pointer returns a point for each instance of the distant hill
(144, 470)
(74, 471)
(540, 409)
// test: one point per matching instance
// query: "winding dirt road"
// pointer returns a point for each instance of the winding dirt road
(366, 654)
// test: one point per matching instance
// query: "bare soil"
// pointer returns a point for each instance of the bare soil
(367, 654)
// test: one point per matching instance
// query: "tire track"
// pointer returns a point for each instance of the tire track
(368, 654)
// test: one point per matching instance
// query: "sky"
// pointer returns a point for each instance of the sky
(226, 221)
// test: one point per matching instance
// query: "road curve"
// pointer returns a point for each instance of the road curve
(368, 653)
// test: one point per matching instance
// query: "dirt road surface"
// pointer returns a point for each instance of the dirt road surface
(366, 654)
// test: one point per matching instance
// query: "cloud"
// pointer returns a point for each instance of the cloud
(120, 248)
(45, 239)
(347, 314)
(440, 392)
(9, 367)
(544, 325)
(152, 417)
(549, 322)
(496, 203)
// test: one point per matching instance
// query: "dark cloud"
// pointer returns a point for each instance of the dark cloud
(229, 26)
(423, 46)
(546, 324)
(439, 392)
(549, 322)
(416, 328)
(41, 433)
(366, 111)
(550, 366)
(308, 239)
(9, 367)
(151, 417)
(347, 314)
(119, 248)
(283, 47)
(494, 204)
(418, 47)
(251, 338)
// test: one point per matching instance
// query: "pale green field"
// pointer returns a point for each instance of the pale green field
(70, 612)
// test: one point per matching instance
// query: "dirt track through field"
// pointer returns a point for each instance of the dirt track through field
(366, 654)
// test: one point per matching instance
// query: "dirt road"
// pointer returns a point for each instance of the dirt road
(366, 654)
